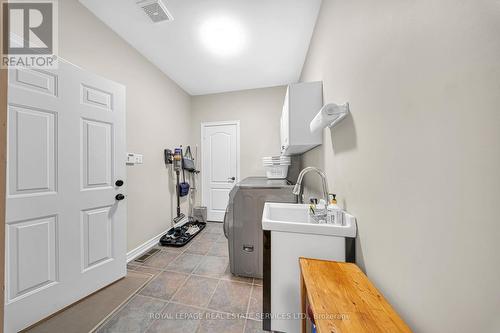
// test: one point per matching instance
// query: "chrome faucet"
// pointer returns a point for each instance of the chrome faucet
(297, 190)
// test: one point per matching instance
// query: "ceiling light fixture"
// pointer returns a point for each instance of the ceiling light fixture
(223, 36)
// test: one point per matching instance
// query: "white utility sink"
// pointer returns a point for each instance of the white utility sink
(295, 218)
(290, 233)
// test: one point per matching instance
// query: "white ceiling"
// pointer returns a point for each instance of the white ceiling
(277, 35)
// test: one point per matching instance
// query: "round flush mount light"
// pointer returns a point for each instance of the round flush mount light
(223, 36)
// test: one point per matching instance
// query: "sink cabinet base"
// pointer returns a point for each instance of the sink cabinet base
(281, 299)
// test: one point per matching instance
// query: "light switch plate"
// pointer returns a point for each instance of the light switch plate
(133, 158)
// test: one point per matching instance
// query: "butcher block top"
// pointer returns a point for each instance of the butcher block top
(342, 299)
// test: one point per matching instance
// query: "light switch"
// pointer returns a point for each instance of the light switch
(133, 158)
(130, 158)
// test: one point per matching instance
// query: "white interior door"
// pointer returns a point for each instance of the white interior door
(66, 231)
(221, 163)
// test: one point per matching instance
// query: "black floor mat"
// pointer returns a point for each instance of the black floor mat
(180, 237)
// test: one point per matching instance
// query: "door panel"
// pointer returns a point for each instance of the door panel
(97, 159)
(220, 150)
(66, 233)
(97, 236)
(218, 199)
(220, 157)
(34, 79)
(32, 137)
(32, 256)
(96, 97)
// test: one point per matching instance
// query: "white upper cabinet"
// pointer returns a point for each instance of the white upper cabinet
(302, 103)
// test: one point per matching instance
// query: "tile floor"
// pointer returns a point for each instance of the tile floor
(192, 291)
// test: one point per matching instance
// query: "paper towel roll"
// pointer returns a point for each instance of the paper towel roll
(329, 115)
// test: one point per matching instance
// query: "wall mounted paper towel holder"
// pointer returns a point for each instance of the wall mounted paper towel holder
(329, 116)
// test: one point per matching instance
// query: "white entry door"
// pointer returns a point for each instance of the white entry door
(221, 165)
(66, 224)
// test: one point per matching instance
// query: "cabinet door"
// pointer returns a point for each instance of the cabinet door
(285, 124)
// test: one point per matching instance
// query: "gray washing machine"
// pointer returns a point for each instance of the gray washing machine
(243, 221)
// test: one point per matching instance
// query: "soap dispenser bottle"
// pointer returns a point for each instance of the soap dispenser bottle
(334, 213)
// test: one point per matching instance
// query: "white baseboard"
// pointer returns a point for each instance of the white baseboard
(134, 253)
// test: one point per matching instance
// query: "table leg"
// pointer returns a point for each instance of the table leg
(303, 298)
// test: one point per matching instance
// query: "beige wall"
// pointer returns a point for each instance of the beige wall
(158, 114)
(259, 112)
(418, 161)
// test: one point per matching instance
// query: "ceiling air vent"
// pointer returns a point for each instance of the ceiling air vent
(156, 10)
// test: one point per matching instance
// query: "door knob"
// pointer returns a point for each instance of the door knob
(119, 182)
(232, 178)
(119, 197)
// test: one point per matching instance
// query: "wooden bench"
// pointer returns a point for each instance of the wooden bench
(342, 299)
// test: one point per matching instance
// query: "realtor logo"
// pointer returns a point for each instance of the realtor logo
(29, 33)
